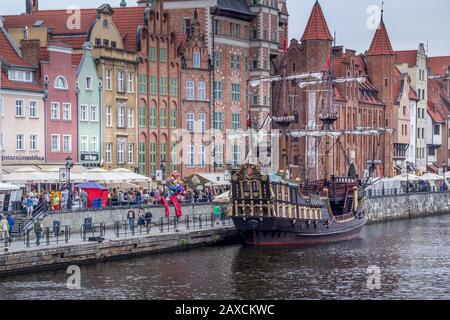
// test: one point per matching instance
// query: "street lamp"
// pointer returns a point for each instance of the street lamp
(69, 166)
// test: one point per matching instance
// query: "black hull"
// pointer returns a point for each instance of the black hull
(290, 232)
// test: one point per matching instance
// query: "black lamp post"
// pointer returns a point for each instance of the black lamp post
(69, 166)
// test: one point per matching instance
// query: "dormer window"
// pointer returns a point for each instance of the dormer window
(61, 83)
(20, 75)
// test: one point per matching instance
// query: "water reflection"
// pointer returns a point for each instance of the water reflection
(413, 256)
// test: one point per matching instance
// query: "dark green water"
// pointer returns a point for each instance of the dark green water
(414, 258)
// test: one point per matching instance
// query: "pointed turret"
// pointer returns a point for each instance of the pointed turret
(317, 28)
(381, 44)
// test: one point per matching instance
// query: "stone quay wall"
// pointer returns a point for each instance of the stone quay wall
(110, 215)
(60, 256)
(387, 208)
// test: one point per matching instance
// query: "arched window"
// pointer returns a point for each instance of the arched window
(105, 23)
(61, 83)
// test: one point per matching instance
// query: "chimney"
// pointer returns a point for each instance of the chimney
(31, 50)
(31, 6)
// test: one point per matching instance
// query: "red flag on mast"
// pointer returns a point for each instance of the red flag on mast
(285, 44)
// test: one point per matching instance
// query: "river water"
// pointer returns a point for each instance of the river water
(413, 256)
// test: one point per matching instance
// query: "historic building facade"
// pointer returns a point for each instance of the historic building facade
(89, 96)
(22, 113)
(357, 105)
(61, 116)
(414, 62)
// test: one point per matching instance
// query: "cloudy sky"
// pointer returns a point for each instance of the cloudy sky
(408, 22)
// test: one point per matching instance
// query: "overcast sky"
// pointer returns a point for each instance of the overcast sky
(408, 22)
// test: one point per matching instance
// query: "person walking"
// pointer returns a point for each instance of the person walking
(11, 224)
(30, 207)
(217, 214)
(148, 218)
(38, 229)
(141, 220)
(4, 227)
(131, 217)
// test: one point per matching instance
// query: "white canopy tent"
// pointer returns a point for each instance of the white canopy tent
(223, 198)
(131, 176)
(431, 177)
(23, 176)
(406, 178)
(9, 187)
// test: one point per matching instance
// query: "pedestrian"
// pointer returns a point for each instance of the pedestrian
(11, 224)
(217, 214)
(148, 218)
(4, 227)
(131, 217)
(141, 220)
(30, 207)
(38, 228)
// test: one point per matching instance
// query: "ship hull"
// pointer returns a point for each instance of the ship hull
(271, 232)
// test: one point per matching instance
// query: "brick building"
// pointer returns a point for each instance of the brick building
(242, 39)
(368, 104)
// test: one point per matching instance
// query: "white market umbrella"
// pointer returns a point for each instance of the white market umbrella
(24, 175)
(405, 178)
(52, 176)
(223, 198)
(102, 176)
(431, 177)
(131, 176)
(8, 187)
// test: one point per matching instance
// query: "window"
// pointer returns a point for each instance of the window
(191, 158)
(173, 157)
(236, 156)
(20, 75)
(142, 84)
(190, 95)
(196, 63)
(236, 121)
(19, 142)
(202, 162)
(216, 27)
(163, 118)
(142, 158)
(19, 108)
(202, 122)
(130, 118)
(236, 92)
(88, 83)
(61, 83)
(187, 26)
(67, 111)
(153, 118)
(67, 143)
(218, 155)
(56, 143)
(153, 56)
(217, 59)
(83, 143)
(201, 87)
(106, 43)
(33, 142)
(218, 90)
(94, 113)
(130, 88)
(113, 44)
(142, 118)
(163, 84)
(163, 55)
(108, 153)
(163, 151)
(218, 120)
(437, 129)
(33, 109)
(173, 118)
(55, 112)
(173, 87)
(84, 113)
(121, 152)
(153, 85)
(190, 119)
(121, 81)
(121, 116)
(152, 158)
(108, 77)
(108, 116)
(130, 153)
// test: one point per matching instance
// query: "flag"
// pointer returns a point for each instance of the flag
(285, 44)
(249, 121)
(327, 65)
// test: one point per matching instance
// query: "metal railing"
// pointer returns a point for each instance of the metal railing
(48, 236)
(400, 192)
(93, 231)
